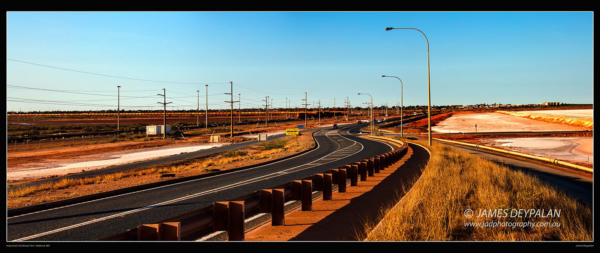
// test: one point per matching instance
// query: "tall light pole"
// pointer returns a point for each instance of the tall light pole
(428, 80)
(198, 110)
(118, 108)
(401, 103)
(206, 110)
(372, 123)
(240, 108)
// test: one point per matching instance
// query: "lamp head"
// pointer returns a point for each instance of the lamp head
(382, 75)
(388, 28)
(358, 93)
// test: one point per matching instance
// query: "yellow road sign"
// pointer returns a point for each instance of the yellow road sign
(292, 131)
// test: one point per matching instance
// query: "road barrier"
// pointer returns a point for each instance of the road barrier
(545, 159)
(226, 220)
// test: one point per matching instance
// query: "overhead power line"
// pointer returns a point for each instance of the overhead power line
(73, 92)
(91, 73)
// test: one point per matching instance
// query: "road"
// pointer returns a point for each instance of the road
(100, 218)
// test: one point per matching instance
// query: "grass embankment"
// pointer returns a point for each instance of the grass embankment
(454, 181)
(70, 188)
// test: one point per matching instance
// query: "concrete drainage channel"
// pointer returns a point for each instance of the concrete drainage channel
(231, 220)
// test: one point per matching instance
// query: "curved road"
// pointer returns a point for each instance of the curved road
(101, 218)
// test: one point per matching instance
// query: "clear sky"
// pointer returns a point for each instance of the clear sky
(476, 57)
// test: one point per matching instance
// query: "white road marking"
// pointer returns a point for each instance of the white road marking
(272, 175)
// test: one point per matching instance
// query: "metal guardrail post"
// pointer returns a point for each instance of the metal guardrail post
(376, 163)
(278, 211)
(354, 174)
(220, 216)
(370, 167)
(341, 182)
(334, 175)
(362, 170)
(148, 232)
(296, 190)
(317, 181)
(236, 230)
(266, 196)
(169, 231)
(306, 195)
(327, 186)
(388, 161)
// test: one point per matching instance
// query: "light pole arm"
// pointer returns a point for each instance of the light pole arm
(428, 80)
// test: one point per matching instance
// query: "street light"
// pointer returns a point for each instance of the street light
(371, 110)
(428, 80)
(401, 103)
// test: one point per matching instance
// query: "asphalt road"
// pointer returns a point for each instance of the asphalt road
(101, 218)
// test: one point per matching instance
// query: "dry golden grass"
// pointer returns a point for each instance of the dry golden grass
(31, 195)
(455, 181)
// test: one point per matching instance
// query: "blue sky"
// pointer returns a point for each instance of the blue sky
(476, 57)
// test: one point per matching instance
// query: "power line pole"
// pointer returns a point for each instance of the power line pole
(266, 111)
(231, 102)
(240, 108)
(271, 115)
(319, 111)
(198, 110)
(164, 128)
(206, 110)
(287, 113)
(348, 112)
(334, 108)
(386, 108)
(118, 108)
(305, 109)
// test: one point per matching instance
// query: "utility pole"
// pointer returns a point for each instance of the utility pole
(287, 113)
(198, 110)
(240, 108)
(305, 109)
(164, 128)
(348, 112)
(386, 108)
(266, 111)
(118, 108)
(271, 116)
(333, 108)
(319, 111)
(231, 102)
(206, 110)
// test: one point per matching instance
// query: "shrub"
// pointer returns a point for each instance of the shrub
(275, 144)
(235, 153)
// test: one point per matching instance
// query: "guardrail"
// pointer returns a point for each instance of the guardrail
(550, 160)
(226, 220)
